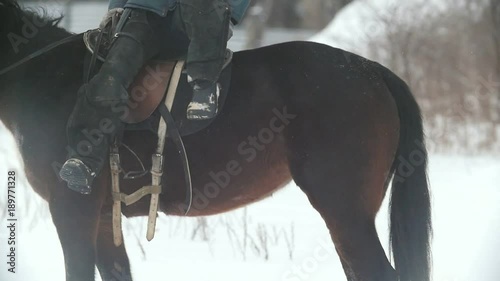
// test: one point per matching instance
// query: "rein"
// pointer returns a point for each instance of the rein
(40, 52)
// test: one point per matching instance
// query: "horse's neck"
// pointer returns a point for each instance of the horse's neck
(25, 31)
(21, 44)
(22, 34)
(11, 98)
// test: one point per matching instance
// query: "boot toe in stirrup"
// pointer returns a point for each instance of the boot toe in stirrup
(204, 104)
(78, 176)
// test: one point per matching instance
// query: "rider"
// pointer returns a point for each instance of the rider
(94, 122)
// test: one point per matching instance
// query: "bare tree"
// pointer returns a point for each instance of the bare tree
(495, 15)
(312, 14)
(318, 13)
(450, 60)
(283, 13)
(256, 21)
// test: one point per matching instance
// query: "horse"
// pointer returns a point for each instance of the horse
(342, 127)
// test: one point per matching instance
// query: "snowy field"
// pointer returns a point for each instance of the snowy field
(466, 197)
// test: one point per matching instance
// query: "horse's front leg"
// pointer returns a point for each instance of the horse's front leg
(112, 261)
(76, 218)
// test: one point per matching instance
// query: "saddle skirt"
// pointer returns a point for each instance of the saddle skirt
(150, 86)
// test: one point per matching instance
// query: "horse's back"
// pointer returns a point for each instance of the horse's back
(283, 99)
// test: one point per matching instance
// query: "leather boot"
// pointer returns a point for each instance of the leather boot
(102, 103)
(205, 101)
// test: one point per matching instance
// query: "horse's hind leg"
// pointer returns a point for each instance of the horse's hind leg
(112, 261)
(346, 183)
(358, 246)
(351, 225)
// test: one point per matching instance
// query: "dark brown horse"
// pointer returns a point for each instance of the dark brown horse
(337, 124)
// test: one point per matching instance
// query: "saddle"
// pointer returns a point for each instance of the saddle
(150, 86)
(158, 100)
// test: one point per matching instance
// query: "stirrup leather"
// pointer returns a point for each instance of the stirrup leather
(156, 173)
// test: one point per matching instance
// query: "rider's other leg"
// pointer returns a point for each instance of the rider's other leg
(206, 23)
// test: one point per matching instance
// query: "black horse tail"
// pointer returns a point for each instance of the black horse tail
(410, 208)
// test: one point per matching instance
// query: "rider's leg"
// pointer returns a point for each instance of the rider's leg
(206, 23)
(101, 104)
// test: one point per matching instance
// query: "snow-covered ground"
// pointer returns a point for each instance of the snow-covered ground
(466, 202)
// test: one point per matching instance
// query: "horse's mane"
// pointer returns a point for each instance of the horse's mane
(12, 20)
(11, 15)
